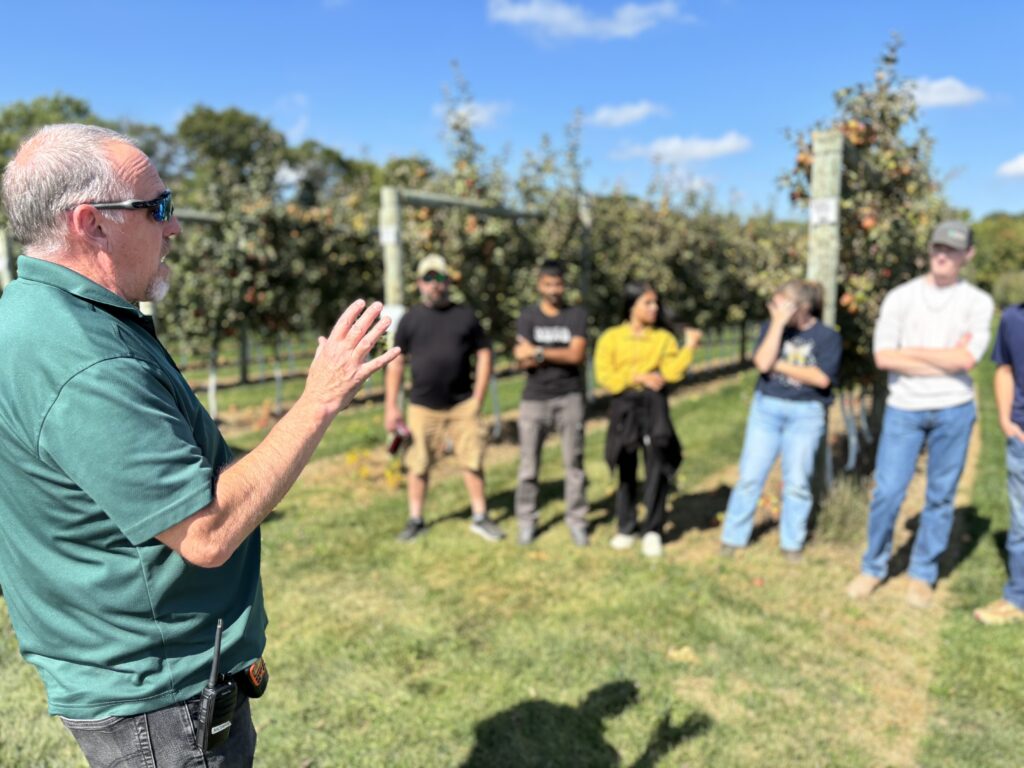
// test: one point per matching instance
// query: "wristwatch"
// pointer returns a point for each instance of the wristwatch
(539, 355)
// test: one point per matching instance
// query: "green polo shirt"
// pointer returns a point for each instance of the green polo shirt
(103, 445)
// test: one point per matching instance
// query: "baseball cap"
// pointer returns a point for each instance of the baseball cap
(432, 262)
(955, 234)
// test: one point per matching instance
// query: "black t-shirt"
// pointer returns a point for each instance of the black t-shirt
(439, 344)
(817, 346)
(550, 380)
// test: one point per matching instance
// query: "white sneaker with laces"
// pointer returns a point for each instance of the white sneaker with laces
(621, 541)
(651, 545)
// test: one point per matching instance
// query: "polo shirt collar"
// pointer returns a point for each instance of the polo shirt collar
(68, 280)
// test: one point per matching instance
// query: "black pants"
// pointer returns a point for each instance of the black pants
(655, 491)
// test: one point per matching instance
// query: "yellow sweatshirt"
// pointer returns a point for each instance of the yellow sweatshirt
(621, 354)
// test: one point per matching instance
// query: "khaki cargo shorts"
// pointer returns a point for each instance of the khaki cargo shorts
(429, 427)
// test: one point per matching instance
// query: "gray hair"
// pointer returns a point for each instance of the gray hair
(55, 169)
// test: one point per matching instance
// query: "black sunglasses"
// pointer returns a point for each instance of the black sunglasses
(434, 277)
(162, 208)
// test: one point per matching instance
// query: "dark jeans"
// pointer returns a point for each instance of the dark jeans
(655, 491)
(165, 738)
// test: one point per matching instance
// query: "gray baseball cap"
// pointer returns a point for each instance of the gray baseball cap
(955, 234)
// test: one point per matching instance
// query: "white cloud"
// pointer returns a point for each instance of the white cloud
(676, 149)
(618, 115)
(287, 176)
(479, 114)
(1013, 167)
(555, 18)
(944, 92)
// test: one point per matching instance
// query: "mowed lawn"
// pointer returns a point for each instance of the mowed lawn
(451, 651)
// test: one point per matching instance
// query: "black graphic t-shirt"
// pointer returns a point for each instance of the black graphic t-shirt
(439, 344)
(550, 380)
(817, 346)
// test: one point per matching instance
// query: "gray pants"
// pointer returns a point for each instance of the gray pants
(165, 738)
(537, 418)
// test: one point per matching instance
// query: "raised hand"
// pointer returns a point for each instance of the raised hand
(340, 365)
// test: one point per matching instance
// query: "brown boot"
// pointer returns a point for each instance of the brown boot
(862, 586)
(919, 593)
(998, 613)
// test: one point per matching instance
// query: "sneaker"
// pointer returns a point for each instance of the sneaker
(998, 613)
(793, 555)
(728, 550)
(862, 586)
(578, 534)
(486, 529)
(526, 535)
(621, 541)
(651, 544)
(919, 593)
(413, 527)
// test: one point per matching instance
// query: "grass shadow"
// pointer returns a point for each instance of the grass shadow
(695, 511)
(542, 733)
(968, 529)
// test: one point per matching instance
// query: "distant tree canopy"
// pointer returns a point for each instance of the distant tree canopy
(295, 236)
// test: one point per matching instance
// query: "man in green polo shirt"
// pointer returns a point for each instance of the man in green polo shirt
(126, 531)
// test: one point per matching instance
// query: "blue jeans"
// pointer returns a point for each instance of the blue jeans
(946, 432)
(1014, 591)
(795, 427)
(165, 738)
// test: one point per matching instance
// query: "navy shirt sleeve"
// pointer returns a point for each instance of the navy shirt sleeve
(1001, 352)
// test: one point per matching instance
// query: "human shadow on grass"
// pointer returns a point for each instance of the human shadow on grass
(542, 733)
(695, 511)
(968, 529)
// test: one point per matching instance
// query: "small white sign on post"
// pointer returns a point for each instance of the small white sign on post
(389, 235)
(824, 211)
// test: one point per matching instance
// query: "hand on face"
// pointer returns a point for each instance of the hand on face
(781, 308)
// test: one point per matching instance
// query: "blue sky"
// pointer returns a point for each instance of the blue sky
(709, 84)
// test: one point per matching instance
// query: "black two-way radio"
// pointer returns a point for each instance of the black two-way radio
(216, 703)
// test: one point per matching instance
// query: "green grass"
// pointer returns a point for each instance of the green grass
(979, 717)
(451, 651)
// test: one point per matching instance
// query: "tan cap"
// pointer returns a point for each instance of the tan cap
(432, 262)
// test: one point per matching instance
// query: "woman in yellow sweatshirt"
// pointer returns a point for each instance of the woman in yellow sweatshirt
(634, 361)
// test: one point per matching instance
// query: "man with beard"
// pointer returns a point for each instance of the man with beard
(450, 357)
(126, 531)
(551, 345)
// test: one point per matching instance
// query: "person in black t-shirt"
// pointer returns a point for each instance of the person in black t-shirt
(551, 344)
(440, 339)
(798, 358)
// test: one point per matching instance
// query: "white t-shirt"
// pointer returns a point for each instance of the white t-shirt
(919, 314)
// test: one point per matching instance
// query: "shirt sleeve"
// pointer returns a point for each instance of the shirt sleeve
(578, 322)
(979, 325)
(612, 377)
(524, 326)
(117, 432)
(887, 331)
(674, 359)
(1001, 351)
(403, 337)
(478, 337)
(830, 356)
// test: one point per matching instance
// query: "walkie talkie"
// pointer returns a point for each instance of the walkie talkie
(216, 703)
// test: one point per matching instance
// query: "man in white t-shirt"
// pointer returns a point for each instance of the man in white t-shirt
(931, 331)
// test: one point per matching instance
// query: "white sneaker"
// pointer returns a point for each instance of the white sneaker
(651, 544)
(621, 541)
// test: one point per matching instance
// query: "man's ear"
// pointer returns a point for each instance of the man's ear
(970, 254)
(87, 225)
